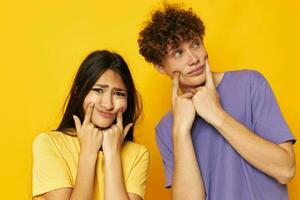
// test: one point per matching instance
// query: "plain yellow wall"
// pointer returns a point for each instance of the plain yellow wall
(43, 43)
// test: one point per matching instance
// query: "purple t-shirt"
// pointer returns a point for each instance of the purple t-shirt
(247, 96)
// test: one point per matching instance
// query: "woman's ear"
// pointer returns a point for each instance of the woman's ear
(160, 68)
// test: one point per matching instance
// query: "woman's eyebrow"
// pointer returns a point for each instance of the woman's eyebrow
(101, 85)
(107, 86)
(120, 89)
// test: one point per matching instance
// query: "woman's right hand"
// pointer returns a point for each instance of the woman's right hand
(89, 136)
(182, 107)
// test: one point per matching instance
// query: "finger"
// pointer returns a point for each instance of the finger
(99, 132)
(88, 113)
(187, 95)
(105, 132)
(101, 136)
(120, 118)
(175, 87)
(209, 77)
(77, 123)
(127, 128)
(114, 128)
(199, 88)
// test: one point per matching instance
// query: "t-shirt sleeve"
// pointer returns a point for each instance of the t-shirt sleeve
(49, 170)
(166, 152)
(267, 118)
(137, 179)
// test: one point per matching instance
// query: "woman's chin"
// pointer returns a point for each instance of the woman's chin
(102, 124)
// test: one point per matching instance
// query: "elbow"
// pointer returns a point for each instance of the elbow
(287, 175)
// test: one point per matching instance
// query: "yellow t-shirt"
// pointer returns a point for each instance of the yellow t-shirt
(55, 162)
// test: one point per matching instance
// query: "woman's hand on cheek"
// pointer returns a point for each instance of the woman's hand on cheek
(114, 136)
(89, 136)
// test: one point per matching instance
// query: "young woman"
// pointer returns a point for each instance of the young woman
(91, 155)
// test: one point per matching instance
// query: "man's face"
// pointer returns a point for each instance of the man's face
(188, 59)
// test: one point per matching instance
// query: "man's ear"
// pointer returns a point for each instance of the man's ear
(160, 68)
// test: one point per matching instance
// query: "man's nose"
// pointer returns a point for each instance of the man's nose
(193, 59)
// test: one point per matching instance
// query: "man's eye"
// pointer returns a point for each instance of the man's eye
(177, 53)
(99, 90)
(196, 44)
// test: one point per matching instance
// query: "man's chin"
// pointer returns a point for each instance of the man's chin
(191, 86)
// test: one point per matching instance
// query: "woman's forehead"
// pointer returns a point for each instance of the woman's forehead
(111, 78)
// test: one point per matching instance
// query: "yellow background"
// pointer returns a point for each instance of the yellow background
(44, 42)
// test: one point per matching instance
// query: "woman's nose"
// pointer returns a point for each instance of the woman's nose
(107, 102)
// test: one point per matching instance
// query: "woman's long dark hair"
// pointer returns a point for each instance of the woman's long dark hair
(88, 73)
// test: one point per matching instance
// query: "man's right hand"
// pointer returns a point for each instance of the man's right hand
(182, 107)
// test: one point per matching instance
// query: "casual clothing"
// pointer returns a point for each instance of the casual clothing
(247, 96)
(55, 163)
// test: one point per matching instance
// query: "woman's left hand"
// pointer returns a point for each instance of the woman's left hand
(114, 136)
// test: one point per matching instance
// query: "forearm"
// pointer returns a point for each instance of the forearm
(84, 184)
(266, 156)
(114, 181)
(187, 180)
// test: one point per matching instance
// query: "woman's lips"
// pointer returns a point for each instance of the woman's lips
(196, 71)
(107, 115)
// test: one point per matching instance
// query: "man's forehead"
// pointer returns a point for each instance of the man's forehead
(176, 44)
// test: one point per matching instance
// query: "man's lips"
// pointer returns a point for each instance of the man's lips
(196, 71)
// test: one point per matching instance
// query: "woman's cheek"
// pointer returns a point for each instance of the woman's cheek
(121, 104)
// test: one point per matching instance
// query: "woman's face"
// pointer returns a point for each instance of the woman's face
(108, 94)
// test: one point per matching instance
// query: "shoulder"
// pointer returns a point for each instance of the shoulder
(44, 138)
(49, 139)
(134, 148)
(133, 153)
(244, 79)
(165, 122)
(246, 74)
(163, 130)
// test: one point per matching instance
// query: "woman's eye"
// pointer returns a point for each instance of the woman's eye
(122, 94)
(99, 90)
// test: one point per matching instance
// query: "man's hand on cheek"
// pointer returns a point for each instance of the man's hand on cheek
(206, 99)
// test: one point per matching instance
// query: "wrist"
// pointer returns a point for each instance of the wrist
(111, 156)
(88, 155)
(219, 119)
(180, 129)
(180, 133)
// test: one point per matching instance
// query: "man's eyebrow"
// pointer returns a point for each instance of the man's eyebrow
(172, 49)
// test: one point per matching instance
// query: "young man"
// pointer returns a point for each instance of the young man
(225, 138)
